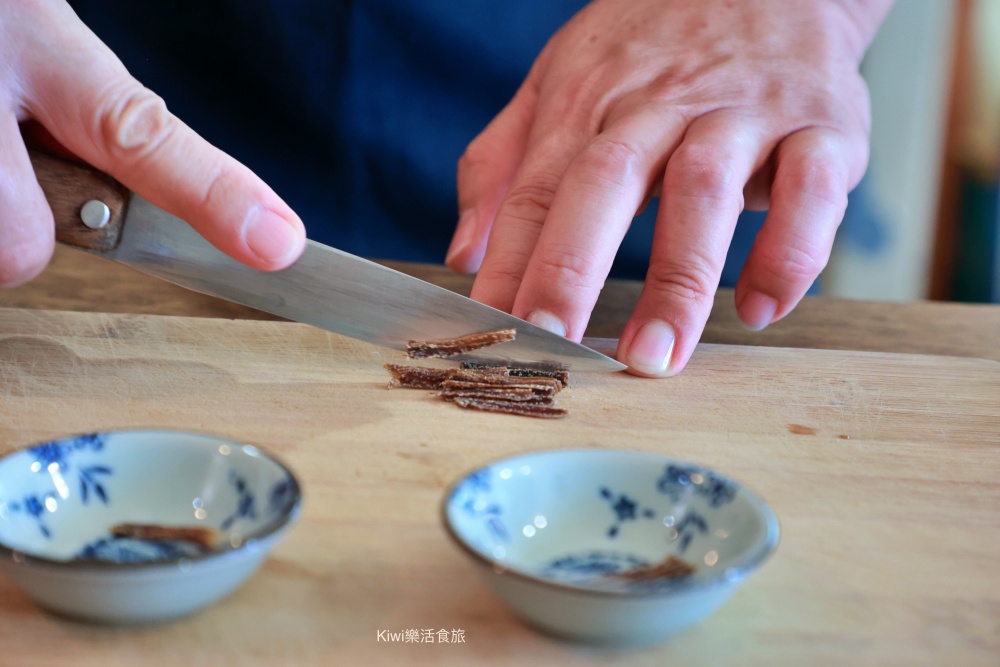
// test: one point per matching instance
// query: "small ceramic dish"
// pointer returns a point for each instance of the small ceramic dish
(139, 526)
(608, 546)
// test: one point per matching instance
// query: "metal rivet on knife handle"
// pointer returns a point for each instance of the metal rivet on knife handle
(95, 214)
(76, 193)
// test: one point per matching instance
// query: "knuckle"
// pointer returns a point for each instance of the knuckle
(504, 268)
(134, 121)
(611, 161)
(791, 264)
(691, 281)
(703, 172)
(582, 99)
(530, 200)
(477, 154)
(818, 177)
(568, 266)
(217, 191)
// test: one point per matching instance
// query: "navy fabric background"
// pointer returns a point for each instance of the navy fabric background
(355, 112)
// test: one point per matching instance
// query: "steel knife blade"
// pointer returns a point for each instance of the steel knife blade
(326, 287)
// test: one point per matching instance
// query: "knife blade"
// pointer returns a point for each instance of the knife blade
(326, 287)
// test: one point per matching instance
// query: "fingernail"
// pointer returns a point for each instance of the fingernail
(547, 321)
(757, 310)
(463, 235)
(651, 348)
(269, 236)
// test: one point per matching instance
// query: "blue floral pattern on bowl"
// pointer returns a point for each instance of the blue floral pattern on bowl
(624, 508)
(245, 503)
(471, 496)
(131, 550)
(57, 455)
(678, 480)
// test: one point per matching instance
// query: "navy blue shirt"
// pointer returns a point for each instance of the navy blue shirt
(354, 111)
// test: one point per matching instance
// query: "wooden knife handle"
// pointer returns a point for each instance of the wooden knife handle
(69, 186)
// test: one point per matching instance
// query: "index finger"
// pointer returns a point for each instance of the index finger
(93, 106)
(600, 193)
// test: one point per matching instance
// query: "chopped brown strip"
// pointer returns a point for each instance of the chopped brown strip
(671, 567)
(490, 388)
(499, 375)
(542, 401)
(494, 393)
(489, 393)
(525, 409)
(537, 388)
(490, 374)
(449, 347)
(416, 377)
(561, 376)
(202, 537)
(542, 384)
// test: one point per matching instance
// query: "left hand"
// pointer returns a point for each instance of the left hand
(716, 103)
(61, 88)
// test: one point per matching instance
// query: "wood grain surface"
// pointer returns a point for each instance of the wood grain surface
(884, 471)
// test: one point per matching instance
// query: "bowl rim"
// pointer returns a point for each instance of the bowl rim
(20, 557)
(746, 564)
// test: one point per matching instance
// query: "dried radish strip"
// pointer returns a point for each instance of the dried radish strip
(487, 374)
(670, 568)
(498, 375)
(535, 401)
(417, 377)
(449, 347)
(525, 409)
(494, 392)
(561, 376)
(547, 388)
(202, 537)
(492, 388)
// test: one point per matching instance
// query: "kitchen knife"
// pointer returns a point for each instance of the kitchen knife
(326, 287)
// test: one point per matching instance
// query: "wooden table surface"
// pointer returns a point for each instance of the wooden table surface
(77, 281)
(916, 590)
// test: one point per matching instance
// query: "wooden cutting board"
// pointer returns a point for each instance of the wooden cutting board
(884, 471)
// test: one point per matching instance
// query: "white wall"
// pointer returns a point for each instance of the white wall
(908, 71)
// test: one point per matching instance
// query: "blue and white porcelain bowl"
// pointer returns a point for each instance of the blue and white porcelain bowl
(59, 500)
(563, 537)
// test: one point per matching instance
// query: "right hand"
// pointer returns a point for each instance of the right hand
(717, 105)
(58, 74)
